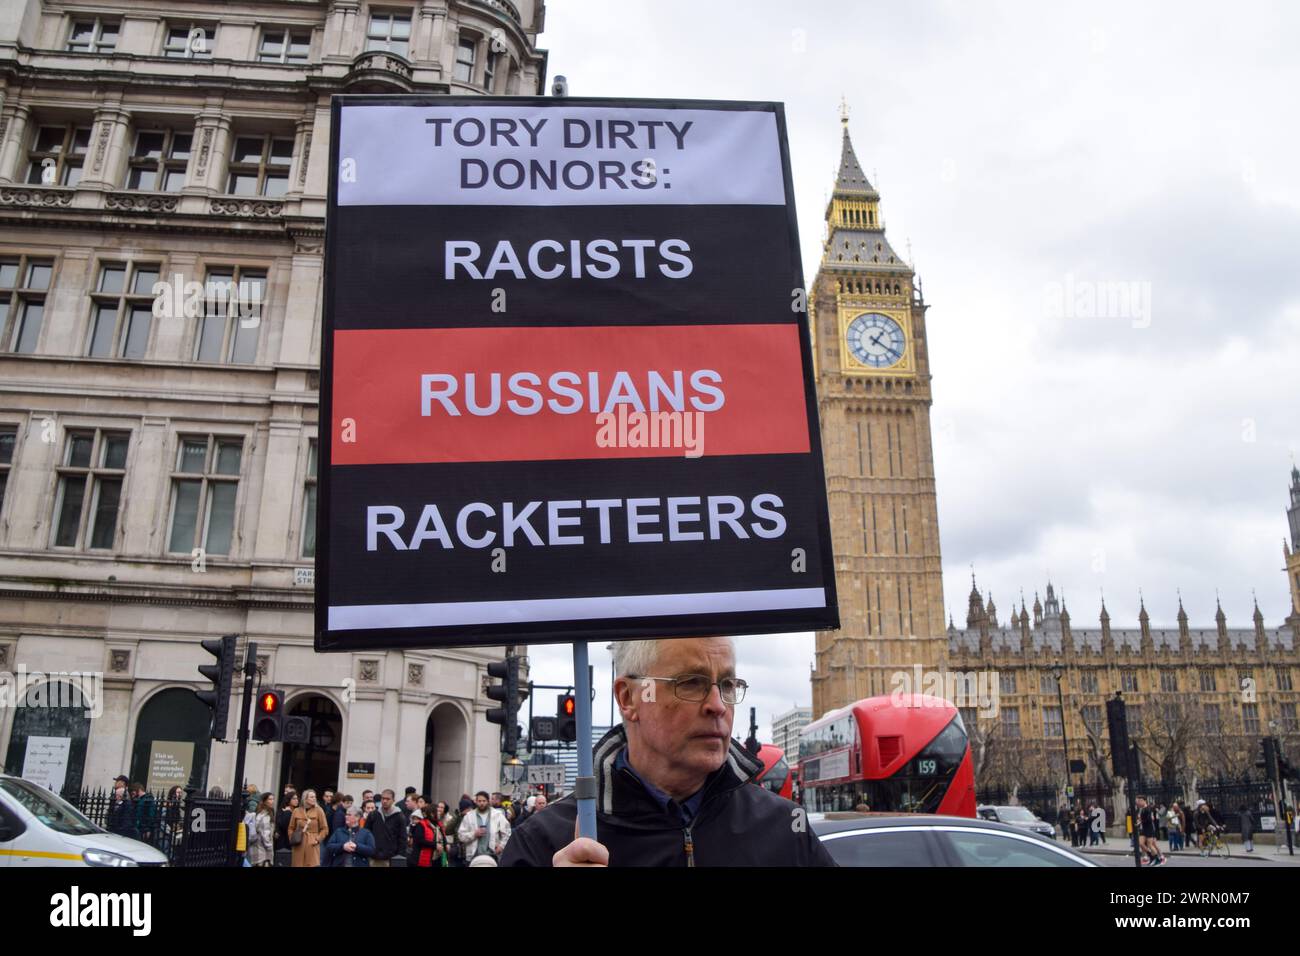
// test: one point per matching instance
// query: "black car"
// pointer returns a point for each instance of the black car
(921, 839)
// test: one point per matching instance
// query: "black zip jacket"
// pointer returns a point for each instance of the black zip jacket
(738, 823)
(389, 833)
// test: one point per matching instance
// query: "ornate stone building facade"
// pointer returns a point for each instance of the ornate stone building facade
(1199, 698)
(157, 461)
(873, 383)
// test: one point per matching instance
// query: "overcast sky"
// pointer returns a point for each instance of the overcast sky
(1031, 154)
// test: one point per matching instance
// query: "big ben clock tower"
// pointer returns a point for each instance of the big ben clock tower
(873, 385)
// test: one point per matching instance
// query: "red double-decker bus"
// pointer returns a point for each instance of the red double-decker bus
(776, 775)
(907, 753)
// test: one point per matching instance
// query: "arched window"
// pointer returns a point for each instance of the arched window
(51, 727)
(172, 740)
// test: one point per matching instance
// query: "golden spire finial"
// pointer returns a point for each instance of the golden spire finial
(844, 112)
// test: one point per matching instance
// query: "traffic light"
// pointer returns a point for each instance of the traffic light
(566, 712)
(507, 692)
(1117, 719)
(1284, 767)
(270, 716)
(221, 674)
(1268, 758)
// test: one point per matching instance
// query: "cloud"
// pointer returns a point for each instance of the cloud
(1016, 144)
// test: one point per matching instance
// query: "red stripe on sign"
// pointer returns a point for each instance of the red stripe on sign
(531, 394)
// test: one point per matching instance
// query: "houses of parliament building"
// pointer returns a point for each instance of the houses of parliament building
(1199, 697)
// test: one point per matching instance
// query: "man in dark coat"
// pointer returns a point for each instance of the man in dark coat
(121, 811)
(146, 812)
(387, 825)
(672, 786)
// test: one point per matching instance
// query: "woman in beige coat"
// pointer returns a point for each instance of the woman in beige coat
(310, 819)
(261, 836)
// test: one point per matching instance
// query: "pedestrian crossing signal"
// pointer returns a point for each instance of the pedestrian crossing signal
(270, 716)
(566, 712)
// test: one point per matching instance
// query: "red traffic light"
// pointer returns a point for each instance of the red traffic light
(270, 718)
(567, 707)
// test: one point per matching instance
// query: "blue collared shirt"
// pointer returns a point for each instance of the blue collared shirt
(686, 809)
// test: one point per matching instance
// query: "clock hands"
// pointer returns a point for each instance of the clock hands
(888, 350)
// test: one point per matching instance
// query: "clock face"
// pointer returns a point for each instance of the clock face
(876, 340)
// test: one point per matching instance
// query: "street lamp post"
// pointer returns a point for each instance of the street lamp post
(1058, 672)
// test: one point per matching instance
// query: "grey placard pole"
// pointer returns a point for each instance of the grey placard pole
(584, 788)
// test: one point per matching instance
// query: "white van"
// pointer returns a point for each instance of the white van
(38, 828)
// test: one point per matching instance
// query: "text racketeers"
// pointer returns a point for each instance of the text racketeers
(642, 516)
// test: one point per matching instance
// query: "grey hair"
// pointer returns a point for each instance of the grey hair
(640, 657)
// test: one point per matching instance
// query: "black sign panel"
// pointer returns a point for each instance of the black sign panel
(567, 380)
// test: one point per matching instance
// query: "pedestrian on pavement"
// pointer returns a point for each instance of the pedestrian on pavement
(1248, 828)
(146, 812)
(411, 807)
(672, 786)
(309, 825)
(121, 811)
(1096, 822)
(450, 827)
(484, 829)
(1174, 823)
(496, 802)
(363, 818)
(282, 821)
(335, 812)
(350, 844)
(388, 826)
(428, 845)
(261, 838)
(173, 812)
(339, 816)
(1147, 830)
(407, 806)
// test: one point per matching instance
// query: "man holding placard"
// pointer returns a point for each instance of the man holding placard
(672, 786)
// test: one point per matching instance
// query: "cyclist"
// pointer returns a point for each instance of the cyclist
(1208, 826)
